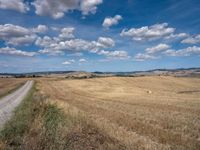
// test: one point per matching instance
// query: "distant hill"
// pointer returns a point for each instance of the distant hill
(181, 72)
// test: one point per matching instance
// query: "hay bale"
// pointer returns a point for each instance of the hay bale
(149, 92)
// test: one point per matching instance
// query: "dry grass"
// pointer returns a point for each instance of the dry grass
(140, 112)
(8, 85)
(38, 124)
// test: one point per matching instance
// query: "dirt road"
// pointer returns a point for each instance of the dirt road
(11, 101)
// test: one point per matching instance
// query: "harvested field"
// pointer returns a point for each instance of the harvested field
(140, 113)
(8, 85)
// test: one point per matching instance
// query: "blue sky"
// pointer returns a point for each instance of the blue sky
(98, 35)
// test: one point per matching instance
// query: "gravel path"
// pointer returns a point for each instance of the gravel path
(11, 101)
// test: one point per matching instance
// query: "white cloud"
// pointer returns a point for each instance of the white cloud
(143, 57)
(16, 35)
(13, 51)
(153, 32)
(40, 29)
(192, 40)
(69, 62)
(24, 40)
(172, 52)
(158, 48)
(177, 36)
(51, 52)
(150, 52)
(53, 46)
(106, 42)
(55, 28)
(58, 8)
(109, 21)
(17, 5)
(75, 45)
(46, 41)
(77, 54)
(114, 54)
(67, 33)
(82, 60)
(80, 44)
(10, 30)
(183, 52)
(89, 6)
(66, 63)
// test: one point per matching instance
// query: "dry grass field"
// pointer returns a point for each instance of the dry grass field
(8, 85)
(139, 113)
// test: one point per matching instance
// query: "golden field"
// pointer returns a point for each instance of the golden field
(132, 112)
(8, 85)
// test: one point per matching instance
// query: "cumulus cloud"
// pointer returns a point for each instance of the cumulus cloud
(153, 32)
(82, 60)
(69, 62)
(13, 51)
(10, 30)
(17, 5)
(66, 63)
(44, 42)
(106, 42)
(177, 36)
(192, 40)
(114, 54)
(109, 21)
(183, 52)
(58, 46)
(58, 8)
(51, 52)
(143, 57)
(77, 54)
(76, 45)
(89, 6)
(24, 40)
(158, 48)
(18, 35)
(152, 52)
(51, 45)
(67, 33)
(40, 29)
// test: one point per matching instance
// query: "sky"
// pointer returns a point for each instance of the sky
(98, 35)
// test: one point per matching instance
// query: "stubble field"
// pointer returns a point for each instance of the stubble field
(139, 113)
(8, 85)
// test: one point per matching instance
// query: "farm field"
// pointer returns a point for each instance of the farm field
(8, 85)
(134, 112)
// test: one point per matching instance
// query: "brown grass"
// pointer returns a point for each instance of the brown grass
(38, 124)
(8, 85)
(140, 112)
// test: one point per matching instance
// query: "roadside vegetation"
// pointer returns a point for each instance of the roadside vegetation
(38, 123)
